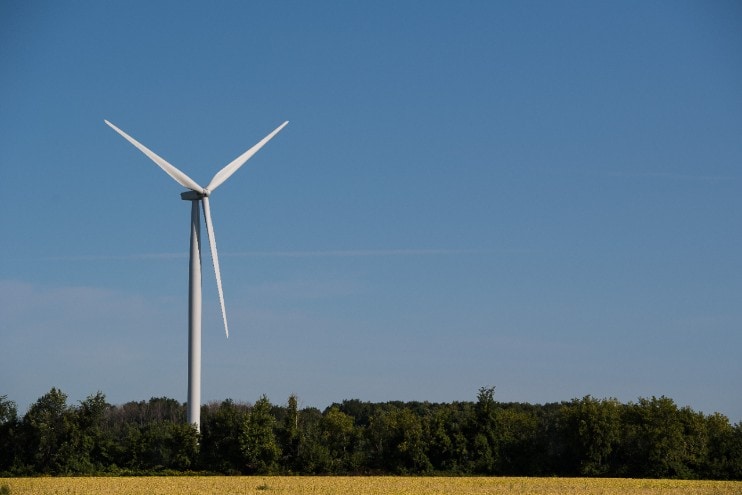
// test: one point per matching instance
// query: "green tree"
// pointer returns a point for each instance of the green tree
(734, 454)
(516, 432)
(484, 446)
(440, 445)
(339, 437)
(8, 434)
(398, 441)
(313, 456)
(720, 458)
(448, 448)
(652, 443)
(221, 428)
(47, 430)
(289, 434)
(164, 445)
(93, 440)
(258, 442)
(594, 432)
(695, 444)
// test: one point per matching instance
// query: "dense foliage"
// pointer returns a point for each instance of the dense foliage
(583, 437)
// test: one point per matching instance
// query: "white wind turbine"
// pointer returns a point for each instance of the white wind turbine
(196, 195)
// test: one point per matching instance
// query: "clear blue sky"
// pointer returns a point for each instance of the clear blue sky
(538, 196)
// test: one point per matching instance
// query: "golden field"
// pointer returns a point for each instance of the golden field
(361, 485)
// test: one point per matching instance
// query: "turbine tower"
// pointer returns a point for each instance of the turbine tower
(196, 195)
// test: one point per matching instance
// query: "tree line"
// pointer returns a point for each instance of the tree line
(584, 437)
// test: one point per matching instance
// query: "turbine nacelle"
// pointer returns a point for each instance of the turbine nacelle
(194, 195)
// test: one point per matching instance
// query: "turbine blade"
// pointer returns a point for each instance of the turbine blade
(173, 172)
(215, 259)
(227, 171)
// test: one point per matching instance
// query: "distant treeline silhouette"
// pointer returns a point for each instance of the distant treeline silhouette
(583, 437)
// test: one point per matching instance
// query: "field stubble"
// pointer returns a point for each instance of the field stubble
(372, 485)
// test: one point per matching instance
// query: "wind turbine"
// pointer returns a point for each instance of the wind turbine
(196, 195)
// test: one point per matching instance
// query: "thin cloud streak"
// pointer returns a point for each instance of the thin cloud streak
(358, 253)
(674, 176)
(342, 253)
(118, 257)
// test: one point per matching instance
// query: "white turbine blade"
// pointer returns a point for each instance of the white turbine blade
(227, 171)
(215, 259)
(173, 172)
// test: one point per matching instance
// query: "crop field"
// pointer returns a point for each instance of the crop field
(374, 485)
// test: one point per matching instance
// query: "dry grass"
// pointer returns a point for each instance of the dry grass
(374, 485)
